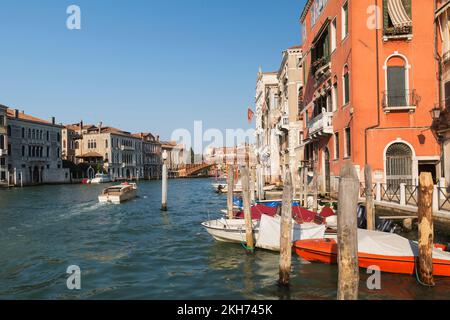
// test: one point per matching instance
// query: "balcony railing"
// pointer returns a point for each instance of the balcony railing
(400, 100)
(397, 31)
(126, 148)
(3, 152)
(321, 125)
(320, 66)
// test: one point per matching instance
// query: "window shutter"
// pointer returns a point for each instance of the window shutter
(447, 94)
(385, 15)
(396, 86)
(407, 6)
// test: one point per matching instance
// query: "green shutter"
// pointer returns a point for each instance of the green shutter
(407, 6)
(385, 15)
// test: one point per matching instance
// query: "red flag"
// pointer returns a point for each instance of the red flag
(250, 115)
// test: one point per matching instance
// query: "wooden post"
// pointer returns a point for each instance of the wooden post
(164, 186)
(348, 233)
(247, 210)
(230, 192)
(306, 187)
(426, 229)
(315, 207)
(286, 230)
(370, 206)
(252, 184)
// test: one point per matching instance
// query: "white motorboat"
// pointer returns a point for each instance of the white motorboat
(101, 178)
(118, 194)
(266, 231)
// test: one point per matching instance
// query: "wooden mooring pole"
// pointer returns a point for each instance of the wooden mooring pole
(348, 234)
(247, 211)
(252, 184)
(370, 205)
(426, 229)
(315, 207)
(305, 186)
(230, 204)
(286, 230)
(164, 183)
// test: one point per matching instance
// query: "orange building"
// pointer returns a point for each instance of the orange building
(370, 83)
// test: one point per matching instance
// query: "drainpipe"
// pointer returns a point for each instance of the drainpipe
(378, 88)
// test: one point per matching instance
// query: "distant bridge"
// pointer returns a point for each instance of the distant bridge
(193, 169)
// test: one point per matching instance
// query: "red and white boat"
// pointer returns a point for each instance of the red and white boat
(390, 252)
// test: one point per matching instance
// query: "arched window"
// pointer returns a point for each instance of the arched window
(399, 161)
(397, 91)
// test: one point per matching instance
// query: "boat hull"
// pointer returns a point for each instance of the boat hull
(118, 199)
(325, 251)
(231, 231)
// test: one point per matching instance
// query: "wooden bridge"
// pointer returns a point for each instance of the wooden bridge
(190, 170)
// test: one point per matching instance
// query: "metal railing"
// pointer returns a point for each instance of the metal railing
(412, 195)
(444, 199)
(390, 193)
(397, 31)
(405, 99)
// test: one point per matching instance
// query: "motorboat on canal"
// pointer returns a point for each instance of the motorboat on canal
(101, 178)
(266, 231)
(390, 252)
(119, 193)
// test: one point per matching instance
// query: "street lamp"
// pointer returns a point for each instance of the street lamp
(436, 113)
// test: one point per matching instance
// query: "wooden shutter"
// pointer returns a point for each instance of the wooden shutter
(447, 94)
(396, 87)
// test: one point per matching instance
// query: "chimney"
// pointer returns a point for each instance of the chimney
(16, 113)
(53, 120)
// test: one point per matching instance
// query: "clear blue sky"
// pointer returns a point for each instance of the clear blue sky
(142, 65)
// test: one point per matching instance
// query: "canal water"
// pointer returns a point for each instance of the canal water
(134, 251)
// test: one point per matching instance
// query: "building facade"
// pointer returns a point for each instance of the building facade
(442, 119)
(34, 150)
(290, 91)
(177, 157)
(152, 160)
(117, 152)
(267, 133)
(369, 88)
(3, 146)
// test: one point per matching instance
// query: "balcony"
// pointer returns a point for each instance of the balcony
(392, 33)
(284, 123)
(321, 125)
(406, 100)
(3, 152)
(321, 67)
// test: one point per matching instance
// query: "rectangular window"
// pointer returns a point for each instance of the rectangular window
(333, 35)
(336, 146)
(345, 20)
(2, 120)
(346, 88)
(348, 143)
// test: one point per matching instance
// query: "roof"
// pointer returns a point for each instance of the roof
(91, 154)
(11, 113)
(305, 9)
(296, 47)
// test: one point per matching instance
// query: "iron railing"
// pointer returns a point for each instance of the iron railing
(397, 31)
(400, 99)
(390, 193)
(412, 195)
(444, 199)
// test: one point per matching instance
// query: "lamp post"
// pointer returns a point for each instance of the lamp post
(164, 182)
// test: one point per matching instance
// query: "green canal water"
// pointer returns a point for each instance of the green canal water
(133, 251)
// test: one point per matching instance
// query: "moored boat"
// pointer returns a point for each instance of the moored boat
(101, 178)
(390, 252)
(118, 194)
(266, 231)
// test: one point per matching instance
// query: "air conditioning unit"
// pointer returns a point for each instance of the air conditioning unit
(3, 152)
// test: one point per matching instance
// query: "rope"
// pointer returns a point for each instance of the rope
(417, 275)
(248, 249)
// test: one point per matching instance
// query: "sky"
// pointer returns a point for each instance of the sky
(142, 65)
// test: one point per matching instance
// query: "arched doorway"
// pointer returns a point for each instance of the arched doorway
(399, 164)
(35, 178)
(327, 170)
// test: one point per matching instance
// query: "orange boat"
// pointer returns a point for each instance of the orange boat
(390, 252)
